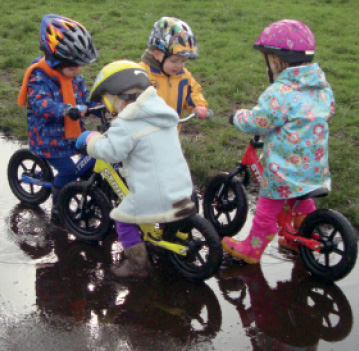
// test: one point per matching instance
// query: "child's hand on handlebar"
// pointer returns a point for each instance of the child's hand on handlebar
(75, 112)
(84, 139)
(201, 112)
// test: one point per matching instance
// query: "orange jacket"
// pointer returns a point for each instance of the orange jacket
(181, 91)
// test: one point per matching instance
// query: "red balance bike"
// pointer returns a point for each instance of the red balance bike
(326, 241)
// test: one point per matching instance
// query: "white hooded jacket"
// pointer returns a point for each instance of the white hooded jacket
(144, 138)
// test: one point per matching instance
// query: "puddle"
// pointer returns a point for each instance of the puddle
(57, 294)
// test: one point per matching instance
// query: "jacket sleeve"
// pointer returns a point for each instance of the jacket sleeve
(194, 95)
(85, 94)
(265, 117)
(114, 146)
(42, 100)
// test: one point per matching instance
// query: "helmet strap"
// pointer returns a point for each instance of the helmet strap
(165, 57)
(109, 104)
(270, 72)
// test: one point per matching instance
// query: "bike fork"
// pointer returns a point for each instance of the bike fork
(90, 183)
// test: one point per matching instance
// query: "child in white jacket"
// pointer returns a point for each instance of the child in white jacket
(144, 138)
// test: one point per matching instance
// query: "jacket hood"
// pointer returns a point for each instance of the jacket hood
(148, 58)
(151, 108)
(303, 77)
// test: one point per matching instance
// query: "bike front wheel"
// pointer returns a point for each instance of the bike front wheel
(338, 252)
(23, 163)
(204, 248)
(225, 204)
(85, 211)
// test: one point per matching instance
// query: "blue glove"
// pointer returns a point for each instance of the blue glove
(81, 140)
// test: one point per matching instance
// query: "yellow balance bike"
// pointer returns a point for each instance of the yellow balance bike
(191, 245)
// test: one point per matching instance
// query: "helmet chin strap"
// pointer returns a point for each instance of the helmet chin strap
(165, 57)
(270, 73)
(110, 104)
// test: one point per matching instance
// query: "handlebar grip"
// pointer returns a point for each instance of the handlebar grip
(95, 109)
(210, 114)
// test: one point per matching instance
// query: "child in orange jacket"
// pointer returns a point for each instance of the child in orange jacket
(170, 44)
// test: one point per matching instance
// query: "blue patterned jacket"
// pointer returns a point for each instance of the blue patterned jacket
(45, 120)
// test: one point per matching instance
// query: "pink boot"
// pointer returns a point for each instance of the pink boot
(249, 250)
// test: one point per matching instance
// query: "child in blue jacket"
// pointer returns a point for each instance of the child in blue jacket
(57, 97)
(144, 137)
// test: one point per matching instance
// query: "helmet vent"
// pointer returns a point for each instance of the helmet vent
(69, 37)
(57, 25)
(82, 41)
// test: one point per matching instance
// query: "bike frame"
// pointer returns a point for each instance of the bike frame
(151, 233)
(83, 165)
(251, 160)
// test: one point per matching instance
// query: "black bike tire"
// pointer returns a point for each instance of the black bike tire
(340, 224)
(183, 264)
(67, 193)
(236, 223)
(15, 184)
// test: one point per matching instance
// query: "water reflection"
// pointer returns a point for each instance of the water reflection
(57, 295)
(74, 289)
(294, 315)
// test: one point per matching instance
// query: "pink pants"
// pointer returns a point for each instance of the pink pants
(267, 211)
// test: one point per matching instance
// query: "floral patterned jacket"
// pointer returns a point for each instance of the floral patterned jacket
(293, 115)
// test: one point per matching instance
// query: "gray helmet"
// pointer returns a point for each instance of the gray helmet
(64, 40)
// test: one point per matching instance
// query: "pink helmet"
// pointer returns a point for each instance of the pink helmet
(291, 40)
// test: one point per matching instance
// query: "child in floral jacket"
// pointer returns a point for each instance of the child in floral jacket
(293, 115)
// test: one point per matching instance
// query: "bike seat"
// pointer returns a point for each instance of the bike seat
(315, 193)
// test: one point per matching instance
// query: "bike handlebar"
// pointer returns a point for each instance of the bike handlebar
(256, 142)
(99, 108)
(105, 123)
(195, 115)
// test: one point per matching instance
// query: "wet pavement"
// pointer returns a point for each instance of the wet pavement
(57, 294)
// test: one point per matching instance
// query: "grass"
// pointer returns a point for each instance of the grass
(231, 72)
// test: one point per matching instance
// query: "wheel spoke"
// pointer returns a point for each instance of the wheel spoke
(218, 214)
(33, 168)
(228, 217)
(338, 251)
(23, 166)
(331, 236)
(328, 322)
(326, 256)
(319, 230)
(200, 258)
(32, 189)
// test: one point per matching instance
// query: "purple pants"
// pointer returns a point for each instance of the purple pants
(267, 211)
(128, 234)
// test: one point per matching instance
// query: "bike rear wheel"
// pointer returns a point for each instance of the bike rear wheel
(24, 163)
(204, 255)
(338, 254)
(85, 211)
(225, 204)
